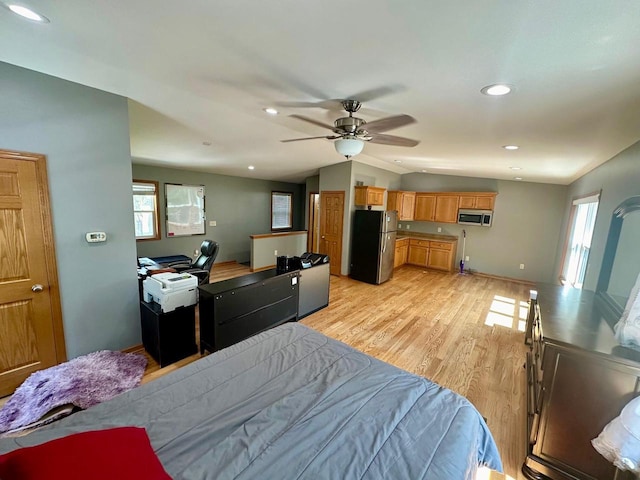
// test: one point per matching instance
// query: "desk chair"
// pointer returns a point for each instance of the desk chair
(201, 267)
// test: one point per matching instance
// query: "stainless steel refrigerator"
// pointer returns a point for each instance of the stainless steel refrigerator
(373, 245)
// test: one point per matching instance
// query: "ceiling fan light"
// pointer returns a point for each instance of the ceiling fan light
(349, 147)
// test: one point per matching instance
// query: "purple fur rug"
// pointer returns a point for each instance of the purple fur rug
(84, 381)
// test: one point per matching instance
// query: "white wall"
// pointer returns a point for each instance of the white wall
(85, 135)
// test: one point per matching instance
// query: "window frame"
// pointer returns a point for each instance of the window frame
(290, 226)
(156, 216)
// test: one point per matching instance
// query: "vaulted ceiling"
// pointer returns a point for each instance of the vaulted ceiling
(199, 75)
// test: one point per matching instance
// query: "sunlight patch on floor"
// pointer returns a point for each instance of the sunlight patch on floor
(506, 313)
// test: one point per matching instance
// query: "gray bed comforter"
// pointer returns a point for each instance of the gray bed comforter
(292, 403)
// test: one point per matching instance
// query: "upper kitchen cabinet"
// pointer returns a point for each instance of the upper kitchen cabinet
(425, 207)
(403, 202)
(446, 208)
(479, 201)
(367, 195)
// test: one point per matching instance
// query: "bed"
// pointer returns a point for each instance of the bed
(293, 403)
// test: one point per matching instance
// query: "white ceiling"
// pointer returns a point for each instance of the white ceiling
(202, 71)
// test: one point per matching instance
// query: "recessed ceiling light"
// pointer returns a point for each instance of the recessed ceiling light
(271, 111)
(515, 168)
(27, 13)
(510, 147)
(496, 89)
(517, 178)
(398, 161)
(251, 167)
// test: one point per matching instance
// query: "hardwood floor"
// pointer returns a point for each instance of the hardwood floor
(464, 332)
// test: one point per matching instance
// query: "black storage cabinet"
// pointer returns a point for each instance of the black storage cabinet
(168, 337)
(235, 309)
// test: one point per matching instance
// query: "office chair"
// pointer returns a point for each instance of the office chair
(201, 267)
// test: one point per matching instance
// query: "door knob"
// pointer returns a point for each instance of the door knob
(322, 236)
(37, 288)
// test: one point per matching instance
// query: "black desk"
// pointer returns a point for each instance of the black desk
(172, 259)
(235, 309)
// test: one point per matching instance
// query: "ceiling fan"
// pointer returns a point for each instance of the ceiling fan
(351, 132)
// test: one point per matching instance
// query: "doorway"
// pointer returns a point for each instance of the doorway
(582, 222)
(331, 219)
(30, 312)
(313, 234)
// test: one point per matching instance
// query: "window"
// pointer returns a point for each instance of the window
(145, 210)
(281, 210)
(583, 220)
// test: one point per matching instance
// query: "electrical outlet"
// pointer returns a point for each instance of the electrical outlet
(196, 251)
(275, 252)
(522, 266)
(399, 225)
(408, 227)
(212, 223)
(439, 229)
(466, 259)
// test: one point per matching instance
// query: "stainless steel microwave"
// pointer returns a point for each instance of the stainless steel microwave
(475, 217)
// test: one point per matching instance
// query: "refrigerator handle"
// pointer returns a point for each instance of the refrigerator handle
(384, 244)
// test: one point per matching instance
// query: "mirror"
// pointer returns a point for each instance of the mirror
(621, 261)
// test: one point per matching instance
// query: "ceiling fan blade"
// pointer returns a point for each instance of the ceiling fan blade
(324, 104)
(393, 140)
(389, 123)
(328, 137)
(375, 93)
(311, 120)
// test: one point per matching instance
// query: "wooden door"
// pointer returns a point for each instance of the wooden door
(331, 218)
(31, 335)
(313, 234)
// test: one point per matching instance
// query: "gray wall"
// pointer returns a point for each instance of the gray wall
(619, 178)
(526, 225)
(240, 206)
(338, 178)
(85, 135)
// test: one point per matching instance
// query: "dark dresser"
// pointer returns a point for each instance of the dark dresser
(235, 309)
(579, 379)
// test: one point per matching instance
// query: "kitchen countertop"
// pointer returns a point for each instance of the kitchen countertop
(426, 236)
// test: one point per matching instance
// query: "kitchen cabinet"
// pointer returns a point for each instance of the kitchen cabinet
(478, 201)
(435, 254)
(418, 252)
(446, 208)
(403, 202)
(425, 207)
(402, 252)
(440, 256)
(367, 195)
(578, 380)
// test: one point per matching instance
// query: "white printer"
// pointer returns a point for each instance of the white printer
(171, 290)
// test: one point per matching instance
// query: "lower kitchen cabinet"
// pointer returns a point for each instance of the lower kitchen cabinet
(402, 252)
(439, 255)
(418, 252)
(579, 379)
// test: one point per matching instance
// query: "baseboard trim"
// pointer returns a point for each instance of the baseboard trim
(498, 277)
(268, 267)
(134, 349)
